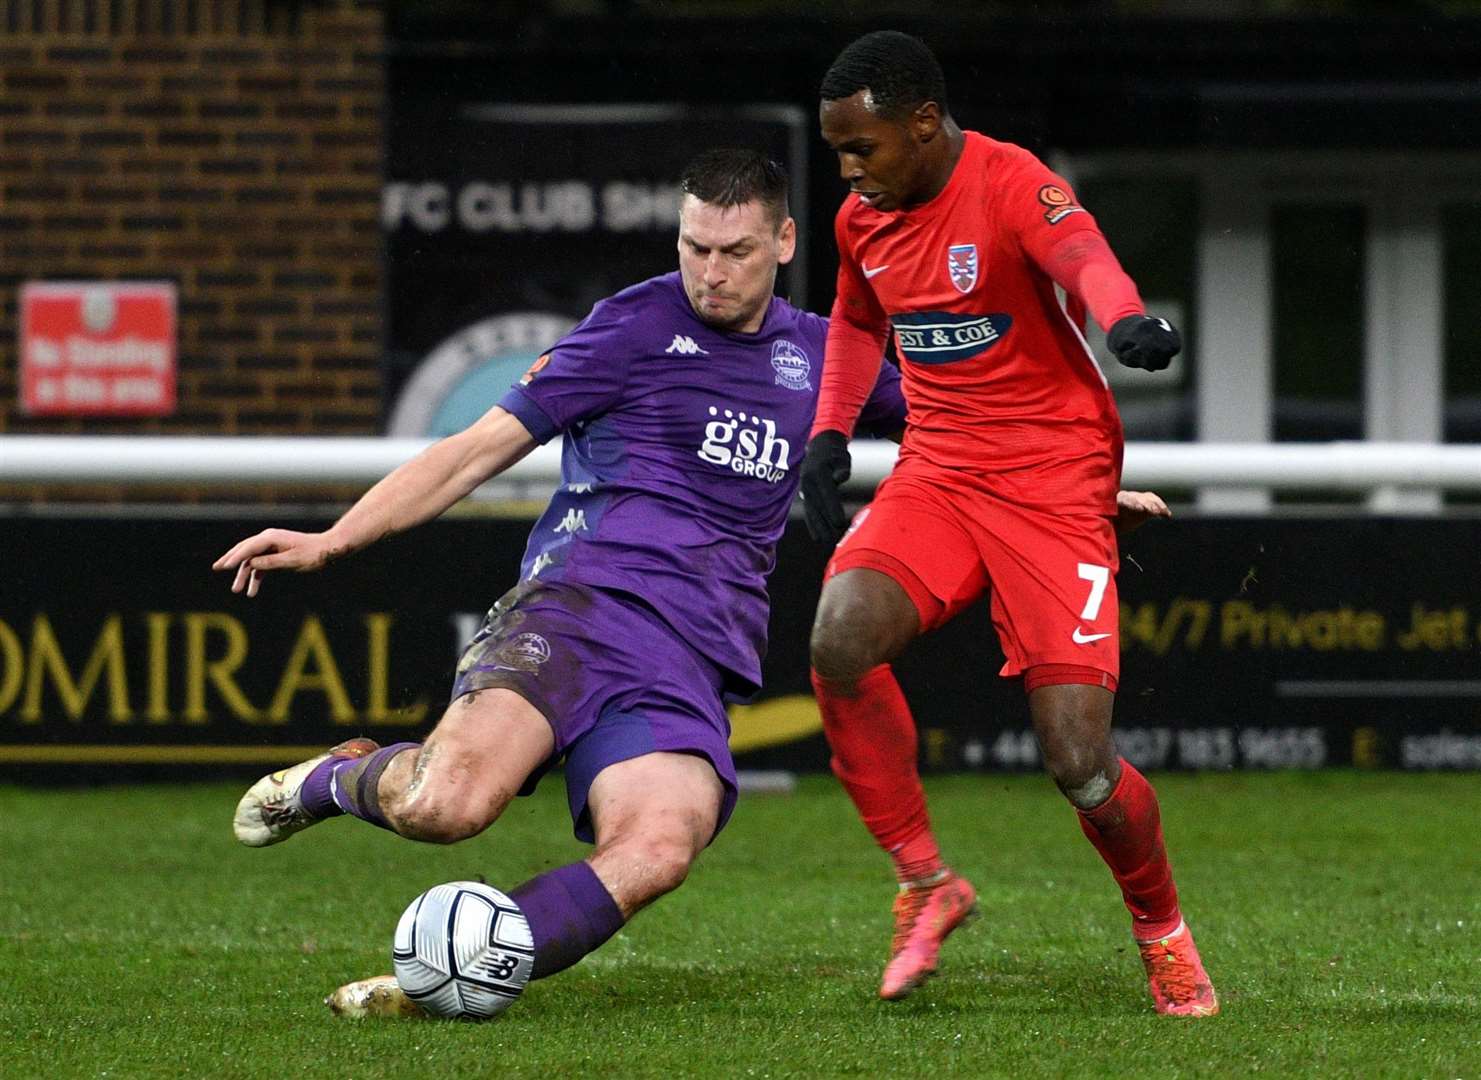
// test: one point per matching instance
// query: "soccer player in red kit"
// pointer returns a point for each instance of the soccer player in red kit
(982, 263)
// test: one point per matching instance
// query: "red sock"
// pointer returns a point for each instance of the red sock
(872, 735)
(1127, 831)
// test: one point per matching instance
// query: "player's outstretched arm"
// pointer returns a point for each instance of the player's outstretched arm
(413, 493)
(1135, 508)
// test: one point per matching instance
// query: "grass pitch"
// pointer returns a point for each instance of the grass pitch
(1339, 915)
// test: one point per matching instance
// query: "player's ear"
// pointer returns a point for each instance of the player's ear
(786, 241)
(925, 121)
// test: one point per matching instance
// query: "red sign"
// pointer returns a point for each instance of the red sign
(97, 348)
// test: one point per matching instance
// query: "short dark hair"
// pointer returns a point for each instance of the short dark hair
(898, 70)
(727, 176)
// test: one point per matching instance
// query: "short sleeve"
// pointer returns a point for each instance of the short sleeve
(1039, 207)
(582, 376)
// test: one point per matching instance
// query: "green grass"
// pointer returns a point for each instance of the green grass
(1339, 914)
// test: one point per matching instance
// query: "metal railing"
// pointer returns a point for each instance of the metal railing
(164, 460)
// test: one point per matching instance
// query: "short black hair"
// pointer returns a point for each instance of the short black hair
(727, 176)
(898, 70)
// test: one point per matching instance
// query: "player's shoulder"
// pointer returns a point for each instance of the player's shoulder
(628, 321)
(807, 323)
(998, 156)
(641, 299)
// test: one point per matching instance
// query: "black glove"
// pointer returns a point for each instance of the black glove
(1141, 341)
(825, 466)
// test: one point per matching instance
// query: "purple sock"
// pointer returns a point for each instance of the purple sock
(570, 913)
(350, 785)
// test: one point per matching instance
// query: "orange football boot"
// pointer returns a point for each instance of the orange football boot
(924, 915)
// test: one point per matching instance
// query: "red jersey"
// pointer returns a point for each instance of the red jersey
(998, 377)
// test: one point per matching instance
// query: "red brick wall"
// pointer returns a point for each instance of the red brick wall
(231, 146)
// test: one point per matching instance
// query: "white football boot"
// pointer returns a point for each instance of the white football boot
(377, 997)
(272, 810)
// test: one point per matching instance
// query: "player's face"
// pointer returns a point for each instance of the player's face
(728, 256)
(881, 159)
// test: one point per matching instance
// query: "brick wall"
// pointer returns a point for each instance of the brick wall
(231, 146)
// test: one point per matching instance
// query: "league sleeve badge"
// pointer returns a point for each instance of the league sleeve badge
(1057, 203)
(535, 369)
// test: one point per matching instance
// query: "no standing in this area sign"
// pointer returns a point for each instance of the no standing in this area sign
(97, 348)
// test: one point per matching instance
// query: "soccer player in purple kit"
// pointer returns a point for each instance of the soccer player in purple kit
(685, 403)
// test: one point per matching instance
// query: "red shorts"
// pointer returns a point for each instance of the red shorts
(1052, 577)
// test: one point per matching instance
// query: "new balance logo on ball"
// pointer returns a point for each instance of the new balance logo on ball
(685, 346)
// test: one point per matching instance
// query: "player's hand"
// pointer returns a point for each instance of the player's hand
(1142, 341)
(274, 549)
(825, 466)
(1135, 508)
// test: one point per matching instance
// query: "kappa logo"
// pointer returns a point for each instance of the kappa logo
(745, 444)
(961, 266)
(685, 346)
(791, 366)
(573, 522)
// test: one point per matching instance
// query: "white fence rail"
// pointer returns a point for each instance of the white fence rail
(164, 460)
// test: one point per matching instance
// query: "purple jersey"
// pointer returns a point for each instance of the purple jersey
(682, 444)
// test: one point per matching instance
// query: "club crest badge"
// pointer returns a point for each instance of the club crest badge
(791, 366)
(524, 652)
(961, 264)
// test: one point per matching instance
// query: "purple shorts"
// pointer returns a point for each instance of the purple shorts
(613, 679)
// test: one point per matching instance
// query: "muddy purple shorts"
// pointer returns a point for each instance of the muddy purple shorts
(612, 678)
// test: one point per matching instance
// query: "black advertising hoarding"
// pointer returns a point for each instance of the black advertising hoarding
(505, 224)
(1251, 643)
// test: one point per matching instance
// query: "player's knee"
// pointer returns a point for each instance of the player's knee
(669, 861)
(437, 821)
(654, 862)
(840, 650)
(861, 623)
(1083, 773)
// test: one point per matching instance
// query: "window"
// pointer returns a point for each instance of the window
(1317, 272)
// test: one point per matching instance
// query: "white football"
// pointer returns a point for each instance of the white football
(463, 950)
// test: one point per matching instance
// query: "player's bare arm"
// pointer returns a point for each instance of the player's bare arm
(410, 495)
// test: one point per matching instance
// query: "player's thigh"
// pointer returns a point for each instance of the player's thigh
(865, 618)
(1072, 722)
(905, 566)
(477, 757)
(1054, 600)
(532, 680)
(663, 798)
(652, 815)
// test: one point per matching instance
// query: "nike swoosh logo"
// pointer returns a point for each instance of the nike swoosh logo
(1079, 637)
(870, 271)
